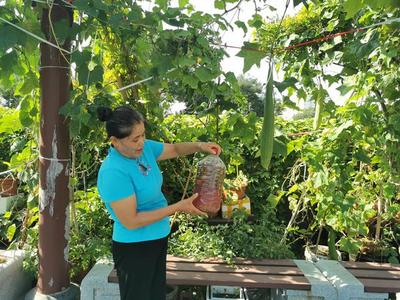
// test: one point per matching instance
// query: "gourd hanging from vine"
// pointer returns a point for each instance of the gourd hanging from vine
(267, 132)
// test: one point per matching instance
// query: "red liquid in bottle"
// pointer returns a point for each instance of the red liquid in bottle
(209, 184)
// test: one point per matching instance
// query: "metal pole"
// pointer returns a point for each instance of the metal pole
(54, 158)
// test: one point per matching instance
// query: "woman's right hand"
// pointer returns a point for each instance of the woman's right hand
(186, 205)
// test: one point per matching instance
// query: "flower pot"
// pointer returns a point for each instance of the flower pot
(6, 202)
(8, 186)
(239, 191)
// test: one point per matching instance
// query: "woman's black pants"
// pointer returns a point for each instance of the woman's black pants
(141, 269)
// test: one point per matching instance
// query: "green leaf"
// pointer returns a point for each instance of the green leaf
(9, 122)
(279, 147)
(8, 65)
(293, 189)
(99, 4)
(11, 232)
(289, 103)
(219, 4)
(351, 7)
(26, 105)
(274, 200)
(183, 3)
(62, 30)
(96, 75)
(163, 4)
(256, 21)
(389, 190)
(361, 155)
(241, 25)
(10, 36)
(136, 13)
(340, 129)
(281, 86)
(191, 81)
(320, 178)
(81, 58)
(350, 245)
(298, 2)
(30, 83)
(186, 61)
(374, 4)
(251, 57)
(83, 73)
(231, 78)
(370, 43)
(7, 215)
(204, 74)
(82, 5)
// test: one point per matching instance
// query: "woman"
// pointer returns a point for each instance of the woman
(129, 183)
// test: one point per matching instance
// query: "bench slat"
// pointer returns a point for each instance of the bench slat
(253, 262)
(370, 266)
(243, 280)
(377, 274)
(271, 274)
(244, 269)
(185, 273)
(380, 285)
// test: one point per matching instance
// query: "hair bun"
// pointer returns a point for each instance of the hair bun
(104, 113)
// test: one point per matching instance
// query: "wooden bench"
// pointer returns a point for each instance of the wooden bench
(376, 277)
(245, 273)
(295, 279)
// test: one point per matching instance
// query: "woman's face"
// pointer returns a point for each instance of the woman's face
(132, 145)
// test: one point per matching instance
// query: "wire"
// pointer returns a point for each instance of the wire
(53, 32)
(137, 82)
(316, 40)
(35, 36)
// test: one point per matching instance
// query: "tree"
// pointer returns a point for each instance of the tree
(254, 92)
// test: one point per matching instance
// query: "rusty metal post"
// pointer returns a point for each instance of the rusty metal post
(54, 158)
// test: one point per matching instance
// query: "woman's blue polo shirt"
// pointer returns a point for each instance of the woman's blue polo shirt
(120, 177)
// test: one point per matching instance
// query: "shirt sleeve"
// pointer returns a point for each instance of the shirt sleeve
(155, 147)
(114, 185)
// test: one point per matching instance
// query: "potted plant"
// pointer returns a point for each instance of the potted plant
(8, 192)
(235, 195)
(237, 185)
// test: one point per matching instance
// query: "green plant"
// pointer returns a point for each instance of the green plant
(90, 236)
(238, 182)
(195, 238)
(349, 170)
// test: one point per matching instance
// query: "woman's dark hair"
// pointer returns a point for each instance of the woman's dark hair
(119, 122)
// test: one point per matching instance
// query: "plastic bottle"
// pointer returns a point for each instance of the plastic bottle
(209, 184)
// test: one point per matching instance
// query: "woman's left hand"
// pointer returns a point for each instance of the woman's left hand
(212, 148)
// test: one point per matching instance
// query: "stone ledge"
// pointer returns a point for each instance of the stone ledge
(95, 285)
(14, 281)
